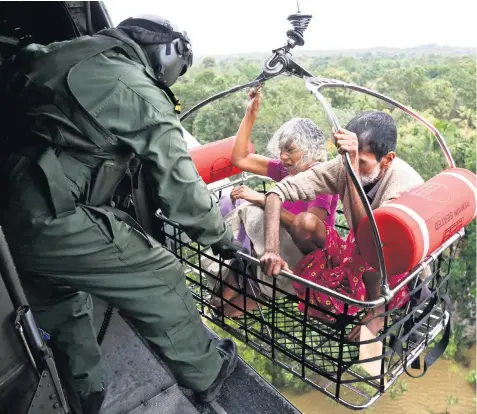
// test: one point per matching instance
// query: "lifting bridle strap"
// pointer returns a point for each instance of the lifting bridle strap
(397, 344)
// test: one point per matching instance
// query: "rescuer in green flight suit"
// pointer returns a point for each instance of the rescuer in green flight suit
(89, 106)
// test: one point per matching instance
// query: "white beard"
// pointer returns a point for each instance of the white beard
(372, 177)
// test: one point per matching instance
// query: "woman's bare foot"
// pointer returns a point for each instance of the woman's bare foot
(228, 294)
(251, 304)
(372, 321)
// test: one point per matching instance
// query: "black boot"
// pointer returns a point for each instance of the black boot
(91, 401)
(228, 351)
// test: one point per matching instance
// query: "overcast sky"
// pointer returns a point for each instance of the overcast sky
(241, 26)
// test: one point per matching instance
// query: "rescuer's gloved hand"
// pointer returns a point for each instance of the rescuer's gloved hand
(227, 248)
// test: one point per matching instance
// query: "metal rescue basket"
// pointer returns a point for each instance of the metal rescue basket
(314, 351)
(319, 353)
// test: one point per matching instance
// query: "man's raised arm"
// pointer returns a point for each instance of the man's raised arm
(323, 178)
(271, 261)
(320, 179)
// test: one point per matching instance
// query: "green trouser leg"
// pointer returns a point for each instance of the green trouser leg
(67, 315)
(93, 252)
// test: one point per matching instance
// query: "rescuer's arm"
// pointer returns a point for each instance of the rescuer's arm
(181, 194)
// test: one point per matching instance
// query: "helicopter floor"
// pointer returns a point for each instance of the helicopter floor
(139, 383)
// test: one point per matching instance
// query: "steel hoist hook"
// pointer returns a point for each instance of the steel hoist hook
(279, 63)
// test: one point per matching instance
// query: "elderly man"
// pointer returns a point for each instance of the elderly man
(370, 139)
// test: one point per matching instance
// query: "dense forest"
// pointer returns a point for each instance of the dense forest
(440, 86)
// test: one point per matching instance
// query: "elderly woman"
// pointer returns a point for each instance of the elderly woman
(298, 144)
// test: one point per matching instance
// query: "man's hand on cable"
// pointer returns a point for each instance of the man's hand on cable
(272, 264)
(227, 248)
(347, 142)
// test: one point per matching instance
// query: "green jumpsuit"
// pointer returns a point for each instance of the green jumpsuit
(64, 258)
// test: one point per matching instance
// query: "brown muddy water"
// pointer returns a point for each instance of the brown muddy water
(443, 390)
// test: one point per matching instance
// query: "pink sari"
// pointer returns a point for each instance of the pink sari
(338, 267)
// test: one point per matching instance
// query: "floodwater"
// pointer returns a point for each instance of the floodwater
(443, 390)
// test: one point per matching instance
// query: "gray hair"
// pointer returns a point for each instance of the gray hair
(305, 134)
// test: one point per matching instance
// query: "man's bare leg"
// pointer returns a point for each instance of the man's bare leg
(374, 323)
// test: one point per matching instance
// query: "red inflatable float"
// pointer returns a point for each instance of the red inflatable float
(418, 222)
(214, 160)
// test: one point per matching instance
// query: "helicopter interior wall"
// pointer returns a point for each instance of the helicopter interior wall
(18, 380)
(46, 21)
(39, 22)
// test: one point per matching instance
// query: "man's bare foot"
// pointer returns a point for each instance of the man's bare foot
(373, 322)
